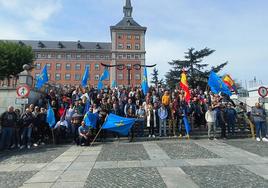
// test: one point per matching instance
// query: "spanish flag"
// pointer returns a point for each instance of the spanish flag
(230, 83)
(185, 87)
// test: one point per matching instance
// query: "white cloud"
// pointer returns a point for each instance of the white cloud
(26, 18)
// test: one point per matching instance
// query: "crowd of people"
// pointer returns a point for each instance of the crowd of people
(160, 113)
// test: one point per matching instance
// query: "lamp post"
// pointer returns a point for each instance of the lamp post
(128, 67)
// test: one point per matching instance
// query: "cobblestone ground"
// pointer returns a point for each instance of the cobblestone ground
(125, 177)
(123, 152)
(14, 179)
(155, 163)
(224, 176)
(35, 155)
(259, 148)
(186, 150)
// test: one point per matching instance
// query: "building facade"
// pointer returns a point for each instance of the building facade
(66, 60)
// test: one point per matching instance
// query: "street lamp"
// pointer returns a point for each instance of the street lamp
(128, 67)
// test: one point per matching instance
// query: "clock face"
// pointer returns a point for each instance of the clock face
(263, 91)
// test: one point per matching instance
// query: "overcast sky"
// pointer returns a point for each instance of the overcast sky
(237, 30)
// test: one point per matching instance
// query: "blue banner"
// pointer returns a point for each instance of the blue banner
(91, 119)
(118, 124)
(85, 77)
(144, 84)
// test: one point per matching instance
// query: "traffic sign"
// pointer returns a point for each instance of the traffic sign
(22, 101)
(23, 91)
(263, 91)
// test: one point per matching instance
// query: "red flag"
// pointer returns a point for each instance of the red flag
(185, 87)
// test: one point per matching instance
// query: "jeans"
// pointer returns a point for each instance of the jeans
(172, 126)
(260, 129)
(140, 128)
(231, 125)
(6, 137)
(26, 136)
(211, 127)
(162, 127)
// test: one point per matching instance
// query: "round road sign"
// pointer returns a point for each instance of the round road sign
(263, 91)
(23, 91)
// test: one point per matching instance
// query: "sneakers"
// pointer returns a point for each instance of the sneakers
(214, 138)
(22, 147)
(13, 146)
(180, 136)
(258, 139)
(29, 147)
(149, 136)
(153, 136)
(35, 145)
(264, 139)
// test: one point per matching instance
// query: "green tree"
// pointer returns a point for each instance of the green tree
(197, 71)
(12, 57)
(155, 79)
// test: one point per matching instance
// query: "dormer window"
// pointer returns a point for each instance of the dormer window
(60, 45)
(41, 45)
(79, 45)
(98, 46)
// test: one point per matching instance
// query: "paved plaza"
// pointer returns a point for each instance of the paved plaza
(148, 164)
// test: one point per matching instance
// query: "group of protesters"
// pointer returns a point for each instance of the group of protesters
(160, 113)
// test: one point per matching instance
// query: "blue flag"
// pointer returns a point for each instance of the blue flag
(105, 75)
(87, 107)
(217, 85)
(50, 116)
(118, 124)
(100, 85)
(42, 78)
(85, 77)
(114, 84)
(91, 119)
(186, 123)
(144, 84)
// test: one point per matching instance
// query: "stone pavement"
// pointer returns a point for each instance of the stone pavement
(161, 163)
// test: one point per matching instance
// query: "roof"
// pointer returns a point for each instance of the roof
(128, 23)
(64, 45)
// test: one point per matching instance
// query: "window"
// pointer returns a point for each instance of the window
(137, 46)
(137, 76)
(67, 76)
(137, 56)
(78, 56)
(97, 77)
(97, 57)
(59, 56)
(48, 66)
(37, 66)
(128, 36)
(77, 77)
(68, 56)
(120, 56)
(137, 37)
(48, 56)
(128, 46)
(101, 56)
(97, 67)
(88, 56)
(128, 56)
(120, 46)
(119, 35)
(107, 57)
(77, 66)
(39, 55)
(68, 66)
(120, 76)
(58, 66)
(57, 76)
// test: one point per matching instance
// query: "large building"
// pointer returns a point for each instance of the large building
(66, 60)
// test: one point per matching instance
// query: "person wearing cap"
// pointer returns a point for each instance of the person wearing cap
(259, 117)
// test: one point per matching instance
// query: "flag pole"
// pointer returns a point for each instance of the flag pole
(97, 133)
